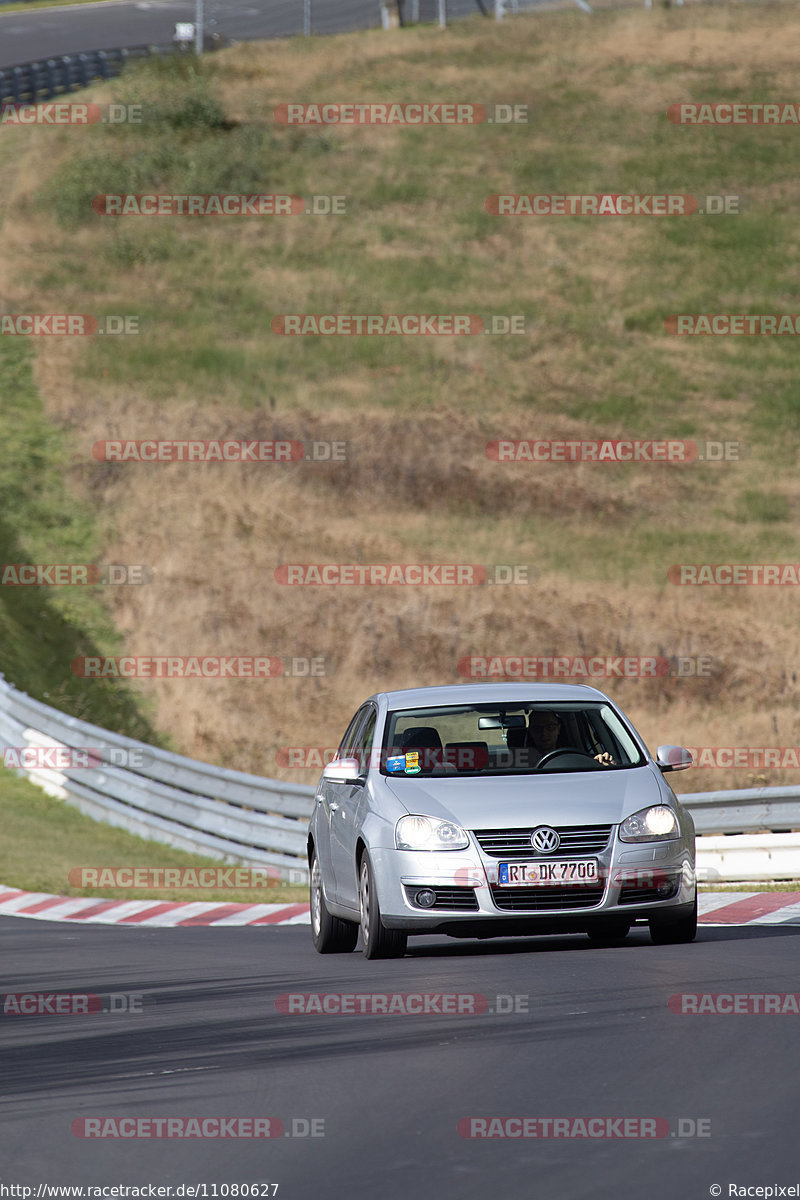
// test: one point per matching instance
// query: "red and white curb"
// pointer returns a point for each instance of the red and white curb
(716, 908)
(41, 906)
(749, 908)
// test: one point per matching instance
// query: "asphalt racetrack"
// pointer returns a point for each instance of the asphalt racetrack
(29, 36)
(593, 1037)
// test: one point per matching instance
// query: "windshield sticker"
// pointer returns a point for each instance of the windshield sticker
(396, 764)
(412, 763)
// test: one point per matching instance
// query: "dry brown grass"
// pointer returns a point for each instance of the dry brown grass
(417, 485)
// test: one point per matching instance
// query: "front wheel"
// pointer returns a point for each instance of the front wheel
(330, 935)
(376, 940)
(664, 932)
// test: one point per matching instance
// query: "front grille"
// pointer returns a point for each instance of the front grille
(546, 899)
(462, 899)
(516, 843)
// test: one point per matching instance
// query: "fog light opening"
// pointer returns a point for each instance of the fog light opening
(425, 898)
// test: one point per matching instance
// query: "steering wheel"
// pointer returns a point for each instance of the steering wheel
(551, 754)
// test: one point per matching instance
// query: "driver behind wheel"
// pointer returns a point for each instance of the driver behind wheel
(542, 738)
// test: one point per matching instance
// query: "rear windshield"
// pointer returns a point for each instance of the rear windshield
(521, 739)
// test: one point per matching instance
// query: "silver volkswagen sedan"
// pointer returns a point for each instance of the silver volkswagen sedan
(490, 810)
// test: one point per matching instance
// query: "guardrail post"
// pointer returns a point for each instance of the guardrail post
(17, 75)
(86, 72)
(52, 76)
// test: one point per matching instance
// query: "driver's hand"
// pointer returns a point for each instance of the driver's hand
(604, 759)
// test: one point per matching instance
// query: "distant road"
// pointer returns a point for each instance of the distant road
(27, 36)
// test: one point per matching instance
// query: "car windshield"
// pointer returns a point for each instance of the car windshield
(513, 739)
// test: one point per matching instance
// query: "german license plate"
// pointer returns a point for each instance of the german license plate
(559, 870)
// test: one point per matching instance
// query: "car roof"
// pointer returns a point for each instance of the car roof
(487, 693)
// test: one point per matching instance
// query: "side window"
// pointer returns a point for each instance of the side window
(348, 742)
(364, 739)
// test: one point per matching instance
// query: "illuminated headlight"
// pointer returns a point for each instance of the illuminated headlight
(426, 833)
(649, 825)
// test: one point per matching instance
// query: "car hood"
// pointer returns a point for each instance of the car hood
(596, 797)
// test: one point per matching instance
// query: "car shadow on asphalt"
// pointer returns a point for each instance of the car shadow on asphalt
(554, 943)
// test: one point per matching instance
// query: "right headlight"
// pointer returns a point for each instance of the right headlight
(426, 833)
(650, 825)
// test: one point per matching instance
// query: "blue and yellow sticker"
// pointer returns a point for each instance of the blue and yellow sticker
(407, 763)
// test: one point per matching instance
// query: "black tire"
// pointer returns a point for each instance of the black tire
(376, 940)
(680, 932)
(329, 934)
(610, 932)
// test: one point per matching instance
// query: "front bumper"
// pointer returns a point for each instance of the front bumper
(635, 882)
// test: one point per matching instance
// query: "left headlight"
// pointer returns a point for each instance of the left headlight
(426, 833)
(649, 825)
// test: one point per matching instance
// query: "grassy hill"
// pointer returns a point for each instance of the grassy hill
(415, 413)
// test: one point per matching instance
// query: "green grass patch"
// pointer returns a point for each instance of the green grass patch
(43, 629)
(44, 839)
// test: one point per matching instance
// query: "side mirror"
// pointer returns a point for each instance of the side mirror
(342, 770)
(673, 758)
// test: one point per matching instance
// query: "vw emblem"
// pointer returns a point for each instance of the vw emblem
(545, 840)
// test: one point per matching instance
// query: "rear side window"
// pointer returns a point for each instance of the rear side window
(365, 736)
(348, 742)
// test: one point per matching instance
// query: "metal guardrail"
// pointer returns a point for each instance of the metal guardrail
(194, 806)
(752, 810)
(246, 819)
(32, 82)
